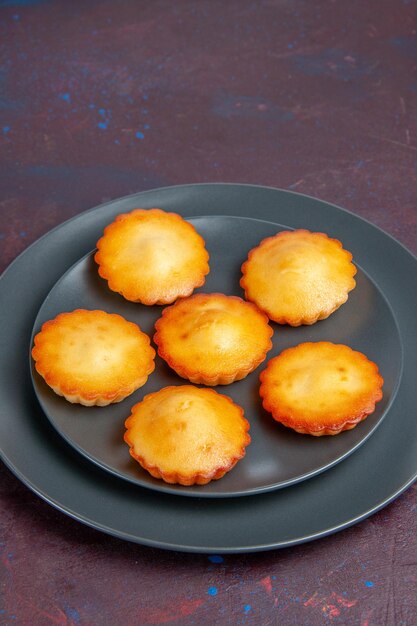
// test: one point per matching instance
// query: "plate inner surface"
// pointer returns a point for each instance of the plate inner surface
(277, 457)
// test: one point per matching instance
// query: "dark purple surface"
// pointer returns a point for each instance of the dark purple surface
(103, 99)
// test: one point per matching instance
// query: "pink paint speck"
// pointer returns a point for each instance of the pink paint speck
(331, 610)
(328, 605)
(343, 601)
(266, 583)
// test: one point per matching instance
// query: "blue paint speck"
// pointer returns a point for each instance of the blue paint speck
(65, 96)
(22, 233)
(116, 141)
(16, 18)
(6, 129)
(140, 135)
(247, 608)
(406, 44)
(212, 591)
(73, 615)
(290, 45)
(369, 583)
(21, 3)
(216, 558)
(145, 97)
(146, 126)
(91, 106)
(102, 112)
(102, 125)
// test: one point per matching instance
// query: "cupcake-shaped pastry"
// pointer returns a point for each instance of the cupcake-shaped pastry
(187, 435)
(320, 388)
(151, 256)
(93, 357)
(213, 339)
(298, 277)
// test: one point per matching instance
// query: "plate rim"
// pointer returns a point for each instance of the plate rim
(170, 545)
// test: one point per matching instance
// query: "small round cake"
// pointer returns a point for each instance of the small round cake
(298, 277)
(187, 435)
(151, 256)
(320, 388)
(93, 357)
(213, 339)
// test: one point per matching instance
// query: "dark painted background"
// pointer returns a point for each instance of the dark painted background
(100, 99)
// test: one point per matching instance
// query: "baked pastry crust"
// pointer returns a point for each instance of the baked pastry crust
(93, 357)
(320, 388)
(187, 435)
(213, 339)
(298, 277)
(151, 256)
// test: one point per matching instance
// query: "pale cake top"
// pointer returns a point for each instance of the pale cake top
(93, 357)
(187, 435)
(298, 277)
(213, 338)
(152, 256)
(320, 388)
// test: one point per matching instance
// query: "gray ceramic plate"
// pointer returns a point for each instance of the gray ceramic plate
(277, 456)
(366, 481)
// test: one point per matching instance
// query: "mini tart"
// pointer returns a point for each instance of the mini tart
(320, 388)
(93, 357)
(298, 277)
(213, 339)
(152, 257)
(187, 435)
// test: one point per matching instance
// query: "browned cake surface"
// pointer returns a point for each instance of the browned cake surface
(93, 357)
(187, 435)
(152, 256)
(320, 388)
(213, 338)
(298, 277)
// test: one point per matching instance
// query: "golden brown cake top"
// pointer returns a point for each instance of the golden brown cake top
(320, 388)
(298, 277)
(213, 338)
(152, 256)
(93, 356)
(186, 434)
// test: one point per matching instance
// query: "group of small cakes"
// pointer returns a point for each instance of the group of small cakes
(187, 434)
